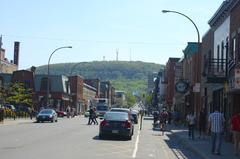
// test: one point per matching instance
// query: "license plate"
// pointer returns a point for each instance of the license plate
(115, 131)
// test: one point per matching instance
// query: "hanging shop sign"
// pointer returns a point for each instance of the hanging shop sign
(181, 86)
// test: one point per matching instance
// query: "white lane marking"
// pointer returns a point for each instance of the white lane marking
(136, 146)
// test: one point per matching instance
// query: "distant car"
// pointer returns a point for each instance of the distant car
(120, 110)
(116, 124)
(9, 106)
(47, 115)
(134, 117)
(86, 114)
(22, 108)
(61, 113)
(101, 109)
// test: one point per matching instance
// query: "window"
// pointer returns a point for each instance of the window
(26, 84)
(234, 48)
(238, 46)
(44, 84)
(222, 55)
(218, 57)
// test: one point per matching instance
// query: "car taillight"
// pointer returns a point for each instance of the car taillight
(104, 123)
(127, 124)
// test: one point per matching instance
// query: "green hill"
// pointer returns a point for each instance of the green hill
(128, 76)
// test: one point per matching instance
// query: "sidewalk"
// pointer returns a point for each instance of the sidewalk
(202, 147)
(17, 121)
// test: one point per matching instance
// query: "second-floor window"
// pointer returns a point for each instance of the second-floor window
(234, 48)
(44, 84)
(26, 84)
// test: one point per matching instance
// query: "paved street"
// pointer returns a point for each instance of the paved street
(72, 138)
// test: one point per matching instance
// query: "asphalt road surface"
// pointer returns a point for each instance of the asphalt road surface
(73, 138)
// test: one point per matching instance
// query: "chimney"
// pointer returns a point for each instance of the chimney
(16, 52)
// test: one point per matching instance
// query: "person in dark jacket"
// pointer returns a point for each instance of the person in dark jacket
(91, 116)
(202, 123)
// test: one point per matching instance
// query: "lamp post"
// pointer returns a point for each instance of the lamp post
(198, 36)
(64, 47)
(170, 11)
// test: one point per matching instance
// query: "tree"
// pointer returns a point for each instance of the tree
(131, 100)
(3, 94)
(18, 95)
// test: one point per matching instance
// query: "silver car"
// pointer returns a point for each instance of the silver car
(47, 115)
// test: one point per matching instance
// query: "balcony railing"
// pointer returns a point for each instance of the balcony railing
(215, 70)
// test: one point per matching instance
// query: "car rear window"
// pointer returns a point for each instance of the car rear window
(102, 107)
(46, 112)
(120, 116)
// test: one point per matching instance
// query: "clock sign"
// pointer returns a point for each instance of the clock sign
(181, 86)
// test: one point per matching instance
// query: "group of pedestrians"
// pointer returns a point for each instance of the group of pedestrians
(215, 125)
(92, 116)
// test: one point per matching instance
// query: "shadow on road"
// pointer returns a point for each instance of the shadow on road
(179, 148)
(110, 138)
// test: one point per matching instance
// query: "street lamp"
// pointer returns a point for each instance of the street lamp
(64, 47)
(198, 35)
(170, 11)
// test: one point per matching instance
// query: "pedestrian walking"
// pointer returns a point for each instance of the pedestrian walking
(191, 121)
(215, 126)
(202, 123)
(90, 119)
(235, 127)
(95, 116)
(169, 117)
(163, 120)
(1, 114)
(68, 110)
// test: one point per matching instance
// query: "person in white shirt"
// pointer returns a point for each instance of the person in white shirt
(215, 126)
(191, 120)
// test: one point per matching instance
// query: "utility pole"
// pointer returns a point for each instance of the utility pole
(0, 54)
(117, 55)
(1, 43)
(130, 54)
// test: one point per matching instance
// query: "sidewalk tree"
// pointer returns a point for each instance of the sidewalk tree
(19, 95)
(3, 94)
(131, 99)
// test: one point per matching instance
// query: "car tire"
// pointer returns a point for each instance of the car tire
(129, 137)
(100, 136)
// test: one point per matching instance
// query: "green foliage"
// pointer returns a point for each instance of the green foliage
(131, 99)
(3, 94)
(149, 98)
(18, 95)
(124, 75)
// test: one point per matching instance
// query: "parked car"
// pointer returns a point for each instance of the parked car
(22, 108)
(86, 114)
(120, 110)
(61, 113)
(124, 110)
(47, 115)
(134, 117)
(116, 124)
(9, 106)
(101, 109)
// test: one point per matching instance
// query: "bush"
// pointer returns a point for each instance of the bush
(8, 113)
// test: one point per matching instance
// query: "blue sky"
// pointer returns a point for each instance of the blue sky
(97, 28)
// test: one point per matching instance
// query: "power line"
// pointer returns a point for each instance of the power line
(93, 41)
